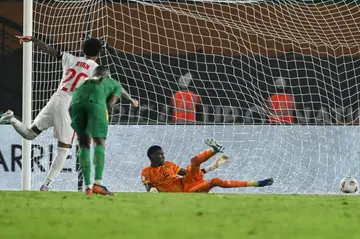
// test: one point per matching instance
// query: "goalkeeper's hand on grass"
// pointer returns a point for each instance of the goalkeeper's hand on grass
(153, 190)
(222, 159)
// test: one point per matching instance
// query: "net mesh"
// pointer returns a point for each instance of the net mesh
(232, 56)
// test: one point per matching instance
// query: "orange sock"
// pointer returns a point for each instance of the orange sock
(207, 185)
(204, 187)
(202, 157)
(228, 183)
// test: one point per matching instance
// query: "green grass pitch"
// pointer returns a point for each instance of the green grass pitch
(47, 215)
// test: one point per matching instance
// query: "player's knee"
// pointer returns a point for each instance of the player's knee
(84, 145)
(63, 145)
(194, 161)
(99, 141)
(216, 181)
(84, 141)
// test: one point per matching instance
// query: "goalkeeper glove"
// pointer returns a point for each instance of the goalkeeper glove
(213, 144)
(222, 159)
(153, 190)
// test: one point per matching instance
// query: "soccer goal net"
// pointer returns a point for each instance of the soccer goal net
(275, 83)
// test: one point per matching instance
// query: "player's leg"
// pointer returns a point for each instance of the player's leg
(98, 129)
(207, 154)
(202, 157)
(79, 122)
(25, 132)
(57, 165)
(43, 121)
(194, 176)
(84, 158)
(193, 172)
(99, 159)
(217, 182)
(202, 187)
(64, 134)
(99, 164)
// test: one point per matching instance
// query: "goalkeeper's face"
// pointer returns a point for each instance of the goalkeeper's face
(158, 158)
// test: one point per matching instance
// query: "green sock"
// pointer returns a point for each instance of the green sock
(84, 156)
(99, 161)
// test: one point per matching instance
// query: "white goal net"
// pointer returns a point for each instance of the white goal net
(276, 83)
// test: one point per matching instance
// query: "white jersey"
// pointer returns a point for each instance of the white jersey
(76, 71)
(56, 112)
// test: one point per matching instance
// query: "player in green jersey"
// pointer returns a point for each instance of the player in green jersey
(89, 119)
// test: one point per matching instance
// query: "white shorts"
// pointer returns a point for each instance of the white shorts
(56, 114)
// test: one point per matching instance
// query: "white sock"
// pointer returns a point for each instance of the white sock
(99, 182)
(47, 182)
(24, 131)
(57, 165)
(88, 186)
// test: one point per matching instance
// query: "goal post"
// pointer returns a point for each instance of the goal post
(27, 93)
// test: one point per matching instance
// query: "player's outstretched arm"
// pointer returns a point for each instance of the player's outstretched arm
(41, 45)
(127, 96)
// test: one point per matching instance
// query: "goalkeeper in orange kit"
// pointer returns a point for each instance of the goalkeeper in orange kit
(163, 176)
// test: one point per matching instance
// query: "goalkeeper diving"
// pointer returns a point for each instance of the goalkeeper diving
(89, 119)
(163, 176)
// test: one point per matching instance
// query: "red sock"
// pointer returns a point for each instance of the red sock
(202, 157)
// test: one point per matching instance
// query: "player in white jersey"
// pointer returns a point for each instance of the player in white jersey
(56, 112)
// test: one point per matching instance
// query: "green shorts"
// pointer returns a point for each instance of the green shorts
(90, 119)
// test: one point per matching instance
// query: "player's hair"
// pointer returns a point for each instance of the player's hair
(153, 149)
(92, 47)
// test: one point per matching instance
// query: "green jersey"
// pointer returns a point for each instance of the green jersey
(96, 90)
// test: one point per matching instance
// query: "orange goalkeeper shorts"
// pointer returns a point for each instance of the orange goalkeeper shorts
(193, 177)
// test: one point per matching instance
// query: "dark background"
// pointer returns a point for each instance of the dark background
(240, 82)
(233, 86)
(319, 85)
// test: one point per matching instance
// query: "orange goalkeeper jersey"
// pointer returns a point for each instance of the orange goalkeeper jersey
(164, 177)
